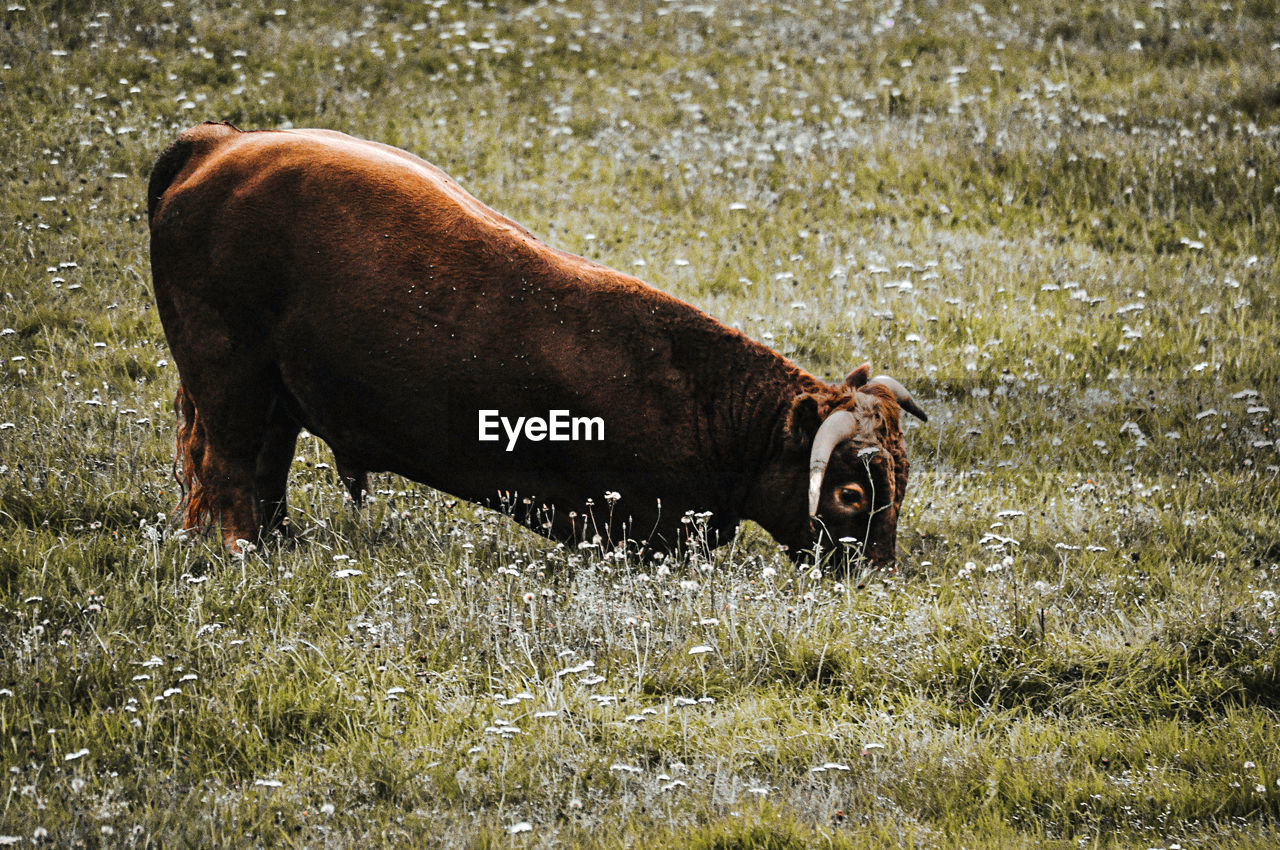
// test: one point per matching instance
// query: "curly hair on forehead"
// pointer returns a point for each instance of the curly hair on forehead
(879, 424)
(886, 426)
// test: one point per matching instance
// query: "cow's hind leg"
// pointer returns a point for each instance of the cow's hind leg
(271, 475)
(223, 428)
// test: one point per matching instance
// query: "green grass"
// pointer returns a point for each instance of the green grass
(1056, 223)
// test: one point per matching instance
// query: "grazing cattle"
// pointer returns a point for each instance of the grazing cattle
(308, 279)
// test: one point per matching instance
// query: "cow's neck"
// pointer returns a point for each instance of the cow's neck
(760, 478)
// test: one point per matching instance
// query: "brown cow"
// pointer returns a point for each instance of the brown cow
(307, 279)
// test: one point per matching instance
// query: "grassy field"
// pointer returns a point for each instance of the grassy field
(1056, 222)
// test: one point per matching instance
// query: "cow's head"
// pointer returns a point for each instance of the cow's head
(857, 471)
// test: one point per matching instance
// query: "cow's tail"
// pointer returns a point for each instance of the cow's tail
(194, 507)
(198, 139)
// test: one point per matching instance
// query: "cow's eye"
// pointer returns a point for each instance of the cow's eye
(849, 495)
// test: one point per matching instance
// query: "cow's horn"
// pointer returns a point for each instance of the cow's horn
(905, 401)
(838, 426)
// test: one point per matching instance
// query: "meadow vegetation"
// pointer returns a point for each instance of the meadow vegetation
(1056, 222)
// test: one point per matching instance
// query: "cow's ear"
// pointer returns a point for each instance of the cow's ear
(858, 377)
(803, 420)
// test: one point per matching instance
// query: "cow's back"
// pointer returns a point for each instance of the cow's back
(314, 201)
